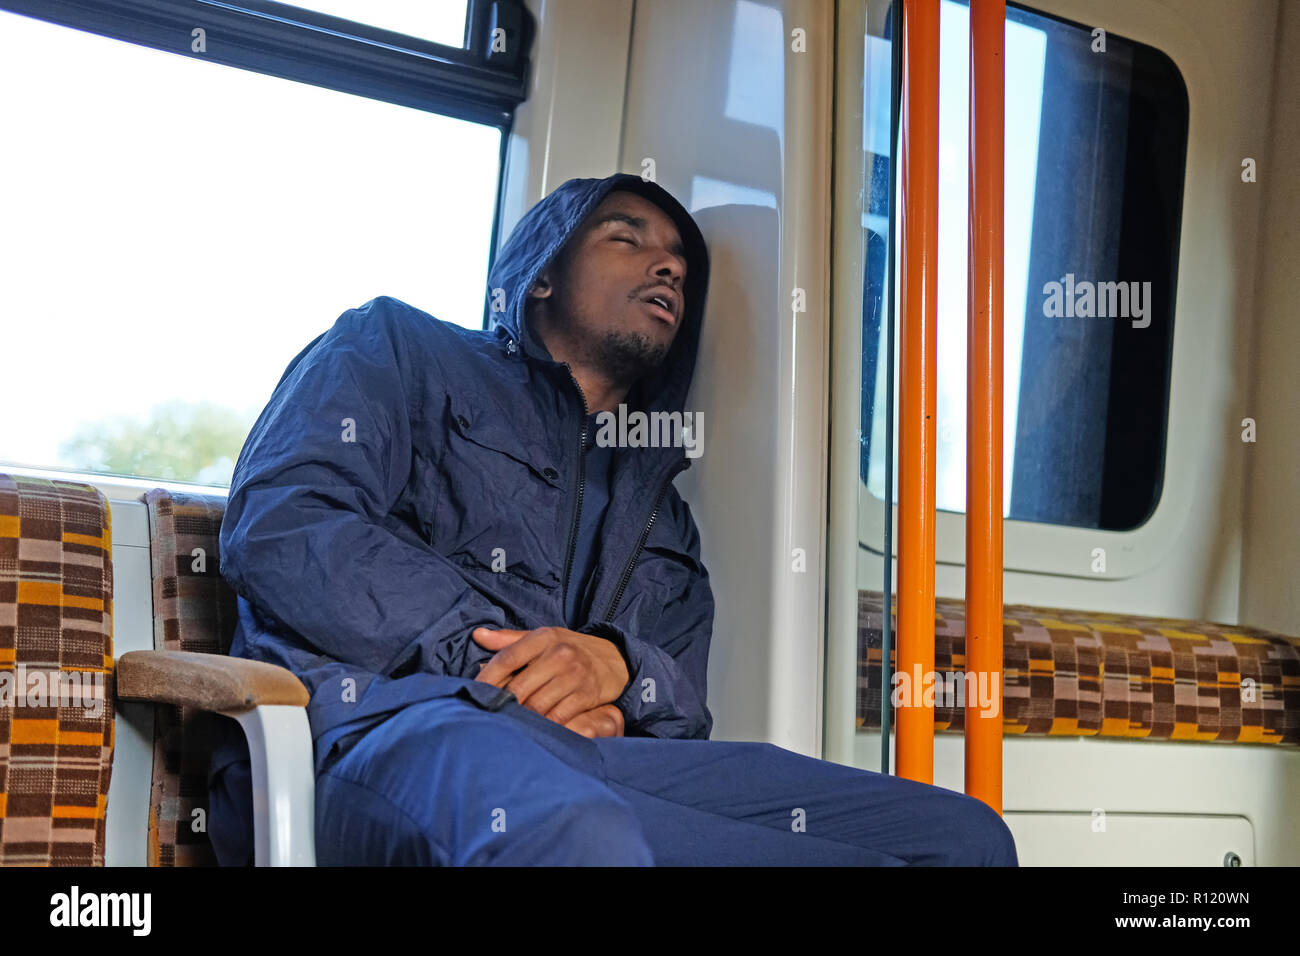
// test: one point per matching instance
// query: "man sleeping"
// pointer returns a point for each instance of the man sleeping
(501, 613)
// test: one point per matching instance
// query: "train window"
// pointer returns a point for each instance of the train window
(177, 231)
(1096, 138)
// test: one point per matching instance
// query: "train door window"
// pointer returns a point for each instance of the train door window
(176, 231)
(1096, 138)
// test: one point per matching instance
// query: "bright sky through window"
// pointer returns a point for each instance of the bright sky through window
(1026, 49)
(176, 230)
(441, 21)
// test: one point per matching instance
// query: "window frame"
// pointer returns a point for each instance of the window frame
(281, 40)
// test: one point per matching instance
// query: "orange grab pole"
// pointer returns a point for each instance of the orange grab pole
(983, 736)
(916, 412)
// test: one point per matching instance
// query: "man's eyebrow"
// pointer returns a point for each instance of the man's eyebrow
(636, 222)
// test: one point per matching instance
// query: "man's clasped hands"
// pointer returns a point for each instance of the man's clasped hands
(565, 676)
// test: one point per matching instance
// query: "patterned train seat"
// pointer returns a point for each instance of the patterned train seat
(56, 672)
(193, 610)
(1111, 675)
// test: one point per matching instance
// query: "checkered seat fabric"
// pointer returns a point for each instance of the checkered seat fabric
(56, 671)
(193, 610)
(1111, 675)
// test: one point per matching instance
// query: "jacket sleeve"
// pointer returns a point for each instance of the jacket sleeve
(307, 538)
(665, 696)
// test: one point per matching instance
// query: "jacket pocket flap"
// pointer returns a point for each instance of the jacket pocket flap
(488, 432)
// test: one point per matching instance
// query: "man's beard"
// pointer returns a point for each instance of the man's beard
(627, 356)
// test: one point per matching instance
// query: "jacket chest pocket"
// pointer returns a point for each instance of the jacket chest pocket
(498, 497)
(466, 425)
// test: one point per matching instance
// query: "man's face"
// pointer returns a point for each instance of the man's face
(600, 291)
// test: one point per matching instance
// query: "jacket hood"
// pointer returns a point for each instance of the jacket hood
(543, 231)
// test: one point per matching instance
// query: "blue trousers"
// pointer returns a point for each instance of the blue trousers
(444, 782)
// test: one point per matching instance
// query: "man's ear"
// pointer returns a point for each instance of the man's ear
(541, 287)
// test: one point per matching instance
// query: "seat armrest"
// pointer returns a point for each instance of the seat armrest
(270, 704)
(211, 682)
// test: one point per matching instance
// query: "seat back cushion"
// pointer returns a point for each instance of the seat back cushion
(56, 671)
(193, 610)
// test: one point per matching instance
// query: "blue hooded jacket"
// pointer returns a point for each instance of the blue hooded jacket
(400, 455)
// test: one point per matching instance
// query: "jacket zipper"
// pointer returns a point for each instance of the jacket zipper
(645, 533)
(582, 482)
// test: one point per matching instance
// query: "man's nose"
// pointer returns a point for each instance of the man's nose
(671, 270)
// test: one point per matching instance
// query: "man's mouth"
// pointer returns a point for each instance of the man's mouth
(660, 310)
(662, 305)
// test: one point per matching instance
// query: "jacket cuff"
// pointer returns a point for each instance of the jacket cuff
(614, 634)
